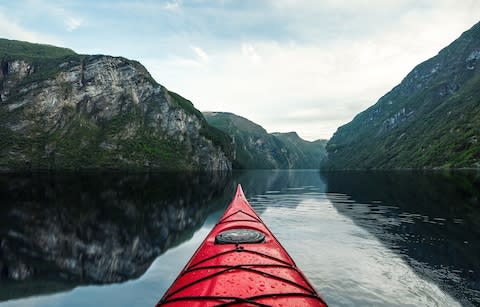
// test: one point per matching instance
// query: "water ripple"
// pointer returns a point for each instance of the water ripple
(348, 264)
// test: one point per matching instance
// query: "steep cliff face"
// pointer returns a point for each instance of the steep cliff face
(254, 147)
(431, 119)
(81, 112)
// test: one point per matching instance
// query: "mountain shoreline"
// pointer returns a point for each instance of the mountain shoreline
(431, 120)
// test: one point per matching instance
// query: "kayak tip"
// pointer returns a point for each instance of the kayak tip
(239, 193)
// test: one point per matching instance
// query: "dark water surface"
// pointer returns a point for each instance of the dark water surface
(380, 239)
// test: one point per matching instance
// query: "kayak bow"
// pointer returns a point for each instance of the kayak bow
(241, 263)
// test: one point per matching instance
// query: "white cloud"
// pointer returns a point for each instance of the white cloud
(70, 20)
(58, 13)
(249, 51)
(331, 82)
(172, 5)
(200, 53)
(11, 29)
(72, 23)
(145, 6)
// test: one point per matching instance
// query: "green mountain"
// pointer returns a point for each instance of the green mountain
(430, 120)
(11, 49)
(304, 153)
(254, 148)
(61, 110)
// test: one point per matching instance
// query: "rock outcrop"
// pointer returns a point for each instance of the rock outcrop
(90, 112)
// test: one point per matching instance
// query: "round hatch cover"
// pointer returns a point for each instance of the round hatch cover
(239, 235)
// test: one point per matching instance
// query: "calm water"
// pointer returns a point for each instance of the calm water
(380, 239)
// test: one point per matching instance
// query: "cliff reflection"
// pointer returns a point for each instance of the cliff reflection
(70, 229)
(432, 219)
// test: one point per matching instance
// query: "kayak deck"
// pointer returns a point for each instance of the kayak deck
(241, 263)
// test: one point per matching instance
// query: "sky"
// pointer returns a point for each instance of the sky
(289, 65)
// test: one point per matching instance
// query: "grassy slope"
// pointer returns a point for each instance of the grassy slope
(310, 153)
(23, 50)
(444, 130)
(239, 129)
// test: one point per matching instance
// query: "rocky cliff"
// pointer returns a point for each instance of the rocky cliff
(254, 147)
(430, 120)
(60, 110)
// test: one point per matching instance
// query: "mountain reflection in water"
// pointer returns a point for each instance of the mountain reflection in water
(362, 238)
(61, 230)
(432, 219)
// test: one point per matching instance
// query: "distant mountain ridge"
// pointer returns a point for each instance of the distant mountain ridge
(254, 147)
(430, 120)
(309, 154)
(62, 110)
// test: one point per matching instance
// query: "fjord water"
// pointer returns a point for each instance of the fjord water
(383, 239)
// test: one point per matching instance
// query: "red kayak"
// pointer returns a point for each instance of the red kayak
(241, 263)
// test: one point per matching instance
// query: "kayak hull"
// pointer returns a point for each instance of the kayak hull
(241, 263)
